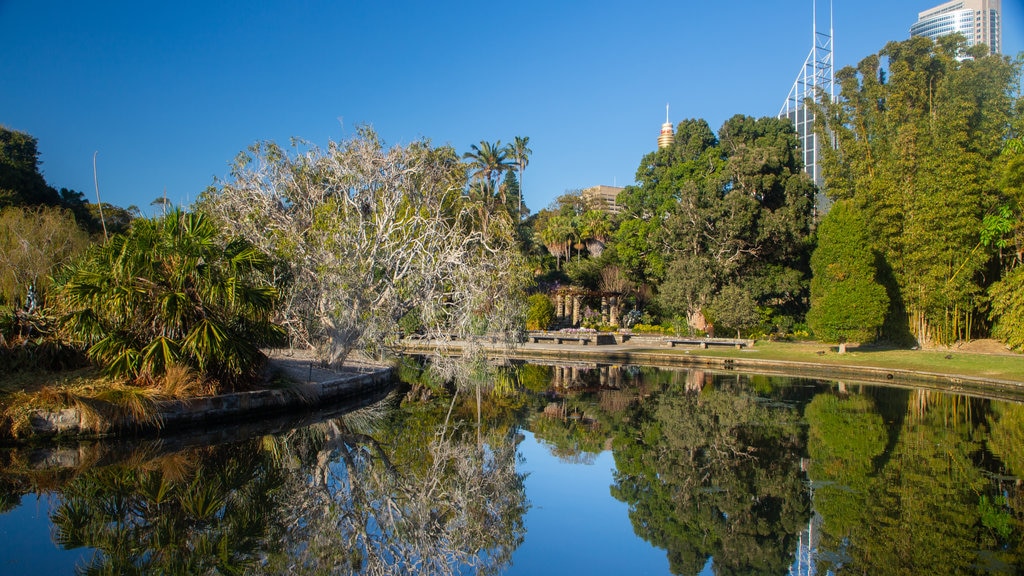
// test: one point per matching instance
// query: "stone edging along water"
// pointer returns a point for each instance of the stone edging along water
(989, 387)
(229, 408)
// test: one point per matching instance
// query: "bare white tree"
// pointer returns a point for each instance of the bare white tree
(369, 234)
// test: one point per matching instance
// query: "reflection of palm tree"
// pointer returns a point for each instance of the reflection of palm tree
(219, 518)
(519, 152)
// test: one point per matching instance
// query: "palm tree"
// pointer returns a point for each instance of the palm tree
(172, 291)
(596, 228)
(488, 161)
(557, 235)
(519, 152)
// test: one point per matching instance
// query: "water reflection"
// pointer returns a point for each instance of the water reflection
(726, 473)
(377, 491)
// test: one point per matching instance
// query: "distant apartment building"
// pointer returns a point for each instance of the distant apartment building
(978, 20)
(603, 198)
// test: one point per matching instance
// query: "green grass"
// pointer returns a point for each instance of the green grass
(995, 366)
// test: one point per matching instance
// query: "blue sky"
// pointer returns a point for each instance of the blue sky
(168, 93)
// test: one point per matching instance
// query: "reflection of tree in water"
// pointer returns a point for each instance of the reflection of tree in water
(714, 473)
(907, 493)
(454, 506)
(332, 497)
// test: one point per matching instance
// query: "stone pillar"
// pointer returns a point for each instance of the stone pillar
(605, 311)
(575, 310)
(559, 306)
(613, 311)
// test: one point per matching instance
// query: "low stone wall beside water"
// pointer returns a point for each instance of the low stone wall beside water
(323, 387)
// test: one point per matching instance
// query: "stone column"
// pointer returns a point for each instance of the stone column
(605, 311)
(613, 309)
(559, 306)
(575, 310)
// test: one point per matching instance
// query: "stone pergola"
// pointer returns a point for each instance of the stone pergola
(569, 305)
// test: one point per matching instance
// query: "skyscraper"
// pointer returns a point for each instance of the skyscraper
(978, 20)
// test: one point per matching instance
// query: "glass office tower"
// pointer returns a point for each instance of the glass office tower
(977, 20)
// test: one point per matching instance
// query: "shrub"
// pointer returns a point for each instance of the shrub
(540, 312)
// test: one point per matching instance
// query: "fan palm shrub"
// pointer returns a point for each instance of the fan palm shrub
(172, 291)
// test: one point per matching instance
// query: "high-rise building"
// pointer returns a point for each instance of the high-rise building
(978, 20)
(604, 198)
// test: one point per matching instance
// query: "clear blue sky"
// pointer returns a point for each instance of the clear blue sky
(168, 93)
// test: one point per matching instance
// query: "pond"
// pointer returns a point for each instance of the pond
(581, 468)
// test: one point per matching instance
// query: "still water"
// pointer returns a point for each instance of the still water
(556, 469)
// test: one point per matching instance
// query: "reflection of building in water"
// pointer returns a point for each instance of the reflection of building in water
(567, 376)
(807, 548)
(696, 380)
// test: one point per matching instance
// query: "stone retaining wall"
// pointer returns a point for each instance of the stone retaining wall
(174, 414)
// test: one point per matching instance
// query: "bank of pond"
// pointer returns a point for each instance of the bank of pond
(542, 469)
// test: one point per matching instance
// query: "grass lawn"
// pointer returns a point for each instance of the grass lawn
(995, 366)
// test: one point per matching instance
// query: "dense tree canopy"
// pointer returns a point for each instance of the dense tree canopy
(370, 233)
(173, 291)
(711, 211)
(847, 302)
(917, 131)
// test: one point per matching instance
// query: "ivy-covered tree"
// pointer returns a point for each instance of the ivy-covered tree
(847, 301)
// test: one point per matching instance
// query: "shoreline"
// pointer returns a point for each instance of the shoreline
(652, 352)
(315, 386)
(322, 388)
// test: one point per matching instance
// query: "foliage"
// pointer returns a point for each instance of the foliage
(540, 312)
(710, 211)
(714, 473)
(368, 233)
(847, 302)
(27, 343)
(1008, 309)
(21, 182)
(34, 243)
(735, 307)
(172, 291)
(917, 134)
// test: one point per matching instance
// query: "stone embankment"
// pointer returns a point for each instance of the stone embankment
(656, 351)
(312, 385)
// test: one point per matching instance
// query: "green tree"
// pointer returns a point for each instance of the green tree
(557, 234)
(732, 209)
(736, 308)
(34, 243)
(519, 152)
(172, 291)
(21, 182)
(847, 301)
(596, 229)
(917, 130)
(540, 312)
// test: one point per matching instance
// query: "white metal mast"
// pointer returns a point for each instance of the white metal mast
(815, 80)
